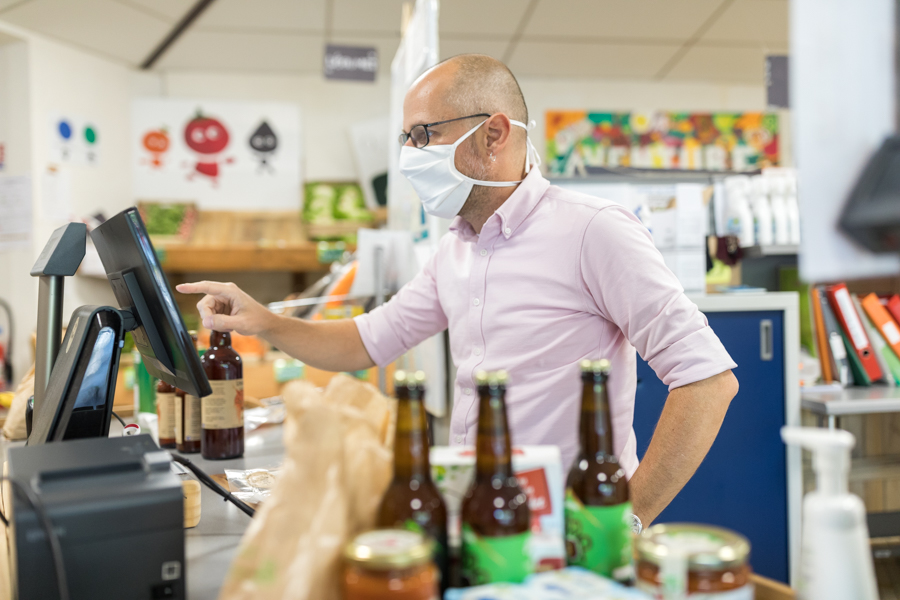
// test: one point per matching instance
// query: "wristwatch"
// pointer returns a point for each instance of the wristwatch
(636, 525)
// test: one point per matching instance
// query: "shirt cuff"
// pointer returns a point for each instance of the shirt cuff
(696, 357)
(382, 344)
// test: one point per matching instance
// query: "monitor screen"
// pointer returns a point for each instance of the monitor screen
(140, 286)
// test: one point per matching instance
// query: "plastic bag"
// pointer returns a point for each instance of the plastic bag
(253, 485)
(14, 428)
(336, 468)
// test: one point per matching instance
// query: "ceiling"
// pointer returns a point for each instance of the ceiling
(671, 40)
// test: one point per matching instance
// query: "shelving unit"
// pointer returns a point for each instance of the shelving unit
(772, 250)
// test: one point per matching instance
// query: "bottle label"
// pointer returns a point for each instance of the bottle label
(192, 419)
(165, 409)
(420, 525)
(495, 559)
(224, 408)
(179, 420)
(599, 538)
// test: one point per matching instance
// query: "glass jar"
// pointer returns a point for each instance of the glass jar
(390, 563)
(683, 560)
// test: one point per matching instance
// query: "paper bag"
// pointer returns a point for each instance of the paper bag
(14, 428)
(336, 468)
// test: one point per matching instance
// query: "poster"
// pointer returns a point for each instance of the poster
(15, 212)
(73, 139)
(578, 142)
(221, 155)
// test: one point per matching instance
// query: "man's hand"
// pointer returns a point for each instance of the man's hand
(686, 430)
(226, 307)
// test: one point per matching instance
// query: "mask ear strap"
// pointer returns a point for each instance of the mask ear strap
(532, 158)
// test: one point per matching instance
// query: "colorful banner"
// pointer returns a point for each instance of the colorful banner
(581, 142)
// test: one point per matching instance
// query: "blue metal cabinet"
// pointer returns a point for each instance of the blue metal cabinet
(742, 483)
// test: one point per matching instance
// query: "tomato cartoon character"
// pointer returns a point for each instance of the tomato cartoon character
(208, 137)
(156, 142)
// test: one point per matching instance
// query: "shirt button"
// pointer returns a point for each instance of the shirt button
(459, 439)
(467, 391)
(507, 231)
(477, 351)
(484, 252)
(476, 301)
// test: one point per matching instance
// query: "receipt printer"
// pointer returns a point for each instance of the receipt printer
(116, 508)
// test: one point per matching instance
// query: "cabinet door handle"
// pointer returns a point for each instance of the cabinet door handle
(766, 344)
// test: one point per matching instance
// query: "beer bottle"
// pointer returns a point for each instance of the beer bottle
(222, 412)
(187, 417)
(598, 506)
(496, 520)
(165, 414)
(412, 501)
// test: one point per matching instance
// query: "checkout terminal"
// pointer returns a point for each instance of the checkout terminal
(92, 516)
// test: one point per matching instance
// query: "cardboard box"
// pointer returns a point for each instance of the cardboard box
(539, 470)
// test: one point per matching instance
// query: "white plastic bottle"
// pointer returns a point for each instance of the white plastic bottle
(793, 208)
(739, 219)
(780, 210)
(836, 558)
(762, 213)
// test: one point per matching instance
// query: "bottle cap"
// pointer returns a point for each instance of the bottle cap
(389, 549)
(601, 366)
(491, 378)
(399, 377)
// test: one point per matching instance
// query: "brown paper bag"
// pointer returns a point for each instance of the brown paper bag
(14, 428)
(336, 467)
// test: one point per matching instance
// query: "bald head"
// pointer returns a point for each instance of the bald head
(481, 84)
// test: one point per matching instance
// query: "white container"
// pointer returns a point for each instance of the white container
(738, 217)
(780, 210)
(762, 213)
(793, 209)
(836, 557)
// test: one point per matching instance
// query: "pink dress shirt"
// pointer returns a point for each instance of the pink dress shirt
(555, 277)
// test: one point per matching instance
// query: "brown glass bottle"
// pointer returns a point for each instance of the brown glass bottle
(496, 520)
(165, 414)
(187, 417)
(223, 410)
(598, 507)
(412, 501)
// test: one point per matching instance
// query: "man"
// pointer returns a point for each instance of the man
(532, 279)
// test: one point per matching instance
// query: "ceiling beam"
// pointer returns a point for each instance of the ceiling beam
(176, 32)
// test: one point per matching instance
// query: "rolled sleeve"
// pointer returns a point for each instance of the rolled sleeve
(413, 315)
(627, 282)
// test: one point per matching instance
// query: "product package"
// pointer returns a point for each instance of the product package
(253, 485)
(539, 470)
(571, 583)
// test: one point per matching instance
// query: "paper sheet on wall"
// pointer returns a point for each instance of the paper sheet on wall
(56, 195)
(15, 212)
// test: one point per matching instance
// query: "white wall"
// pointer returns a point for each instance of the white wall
(16, 286)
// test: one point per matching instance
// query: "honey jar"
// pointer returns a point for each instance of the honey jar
(390, 563)
(698, 562)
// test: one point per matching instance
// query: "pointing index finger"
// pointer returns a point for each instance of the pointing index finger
(201, 287)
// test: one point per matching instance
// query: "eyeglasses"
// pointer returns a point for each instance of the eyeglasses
(419, 133)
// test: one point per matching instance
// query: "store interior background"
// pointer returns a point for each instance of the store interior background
(84, 58)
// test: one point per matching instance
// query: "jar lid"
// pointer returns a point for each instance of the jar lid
(386, 549)
(705, 547)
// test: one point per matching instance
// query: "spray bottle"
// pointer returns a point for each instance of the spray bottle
(836, 558)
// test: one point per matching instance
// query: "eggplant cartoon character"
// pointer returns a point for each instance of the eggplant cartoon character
(264, 142)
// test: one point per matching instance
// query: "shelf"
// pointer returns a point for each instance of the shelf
(297, 257)
(852, 400)
(773, 250)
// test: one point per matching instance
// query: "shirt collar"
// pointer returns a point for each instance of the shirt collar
(514, 211)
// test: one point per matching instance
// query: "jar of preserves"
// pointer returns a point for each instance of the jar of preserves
(390, 563)
(698, 562)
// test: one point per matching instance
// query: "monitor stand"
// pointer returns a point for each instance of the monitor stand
(74, 384)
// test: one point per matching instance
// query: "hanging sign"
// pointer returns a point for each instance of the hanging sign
(355, 63)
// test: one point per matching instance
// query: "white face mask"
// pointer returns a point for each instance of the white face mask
(441, 187)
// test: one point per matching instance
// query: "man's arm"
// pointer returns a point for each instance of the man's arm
(687, 428)
(330, 346)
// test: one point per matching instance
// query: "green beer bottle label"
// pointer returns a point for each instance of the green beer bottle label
(495, 559)
(599, 538)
